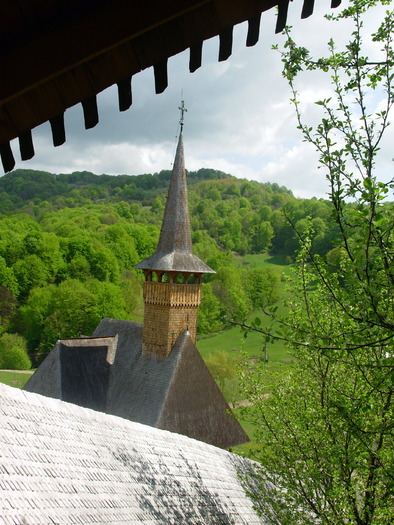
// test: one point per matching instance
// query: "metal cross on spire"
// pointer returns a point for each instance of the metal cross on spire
(182, 109)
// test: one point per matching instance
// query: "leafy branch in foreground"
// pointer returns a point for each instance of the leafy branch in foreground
(326, 432)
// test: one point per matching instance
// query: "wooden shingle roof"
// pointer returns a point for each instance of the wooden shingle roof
(63, 464)
(109, 372)
(58, 53)
(174, 251)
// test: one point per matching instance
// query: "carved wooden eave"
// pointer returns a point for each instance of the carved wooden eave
(58, 53)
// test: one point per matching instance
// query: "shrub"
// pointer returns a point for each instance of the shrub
(13, 355)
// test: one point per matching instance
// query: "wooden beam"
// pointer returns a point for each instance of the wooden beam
(67, 37)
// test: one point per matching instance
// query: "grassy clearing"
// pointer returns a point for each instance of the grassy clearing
(265, 260)
(17, 379)
(232, 340)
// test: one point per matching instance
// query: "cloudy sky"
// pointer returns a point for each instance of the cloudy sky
(239, 117)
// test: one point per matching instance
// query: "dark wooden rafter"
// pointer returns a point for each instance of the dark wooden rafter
(253, 30)
(125, 94)
(81, 47)
(226, 43)
(307, 8)
(7, 157)
(283, 8)
(58, 130)
(26, 145)
(90, 112)
(195, 57)
(161, 76)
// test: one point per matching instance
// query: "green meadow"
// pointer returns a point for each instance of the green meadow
(233, 341)
(17, 379)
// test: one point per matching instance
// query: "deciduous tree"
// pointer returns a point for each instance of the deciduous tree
(13, 355)
(326, 432)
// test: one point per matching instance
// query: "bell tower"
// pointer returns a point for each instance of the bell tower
(172, 288)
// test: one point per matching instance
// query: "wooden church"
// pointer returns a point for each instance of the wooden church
(150, 373)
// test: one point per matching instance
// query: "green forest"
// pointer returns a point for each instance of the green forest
(68, 244)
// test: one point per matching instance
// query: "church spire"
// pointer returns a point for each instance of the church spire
(172, 288)
(174, 251)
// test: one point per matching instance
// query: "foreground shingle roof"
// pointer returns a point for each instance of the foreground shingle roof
(64, 464)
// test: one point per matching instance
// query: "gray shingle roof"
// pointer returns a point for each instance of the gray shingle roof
(109, 372)
(174, 251)
(64, 464)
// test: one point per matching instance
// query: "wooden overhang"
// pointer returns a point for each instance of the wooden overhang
(58, 53)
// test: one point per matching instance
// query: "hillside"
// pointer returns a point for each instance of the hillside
(68, 244)
(240, 215)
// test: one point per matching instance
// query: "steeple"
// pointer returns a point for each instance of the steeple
(172, 288)
(174, 251)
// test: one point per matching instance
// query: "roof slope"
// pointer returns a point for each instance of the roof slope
(194, 404)
(177, 393)
(58, 53)
(61, 463)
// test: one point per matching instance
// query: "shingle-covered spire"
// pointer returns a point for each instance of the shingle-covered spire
(174, 251)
